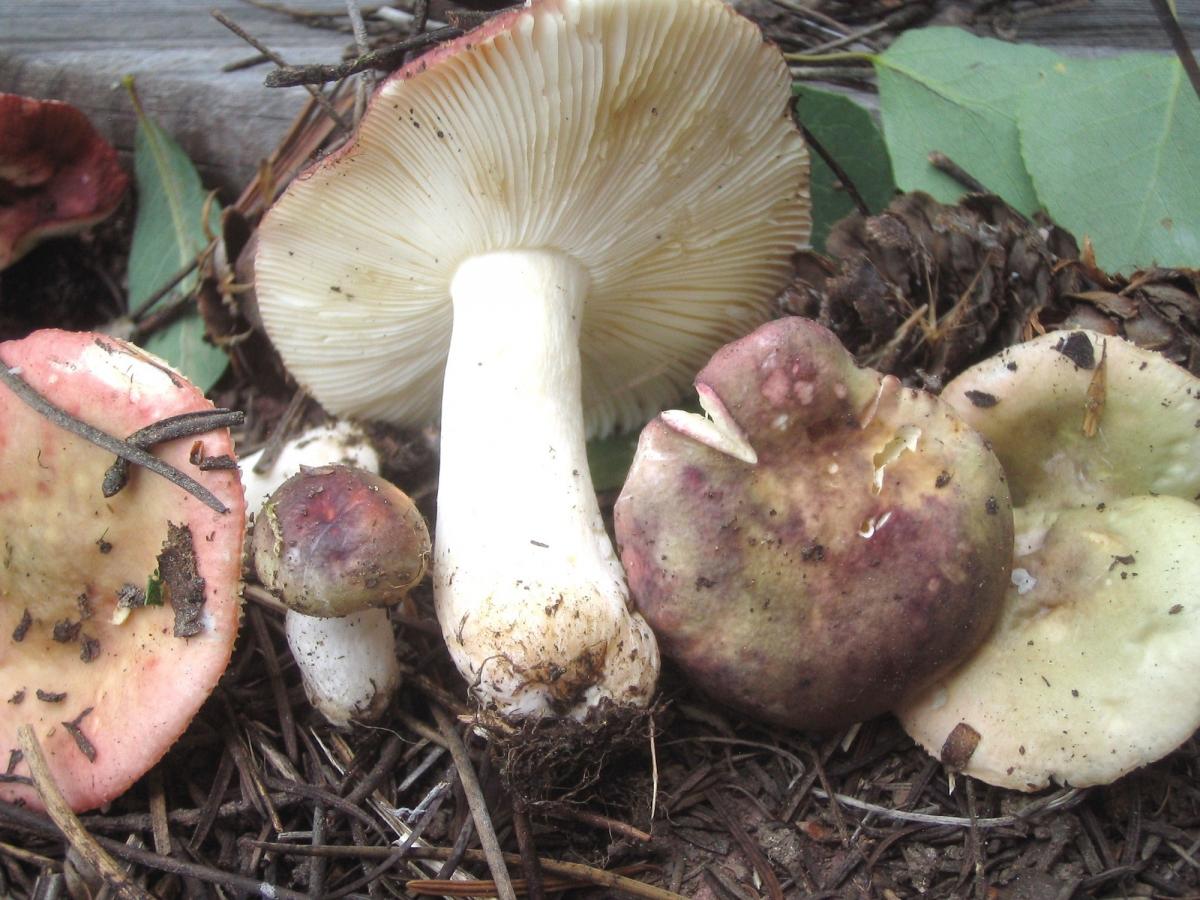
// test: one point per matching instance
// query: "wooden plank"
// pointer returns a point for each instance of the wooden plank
(226, 122)
(1124, 24)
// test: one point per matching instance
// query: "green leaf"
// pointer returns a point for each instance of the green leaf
(944, 89)
(849, 135)
(168, 233)
(1111, 147)
(609, 459)
(154, 595)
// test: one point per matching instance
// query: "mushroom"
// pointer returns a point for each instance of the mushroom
(117, 615)
(594, 194)
(336, 545)
(57, 175)
(1092, 669)
(822, 542)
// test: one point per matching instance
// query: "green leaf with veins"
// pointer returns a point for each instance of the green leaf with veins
(168, 233)
(944, 89)
(1111, 146)
(849, 134)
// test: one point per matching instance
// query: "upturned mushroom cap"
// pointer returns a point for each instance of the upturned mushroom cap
(335, 540)
(129, 689)
(827, 541)
(57, 175)
(1092, 668)
(1031, 401)
(647, 140)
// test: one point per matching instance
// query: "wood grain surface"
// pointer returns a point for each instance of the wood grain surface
(78, 51)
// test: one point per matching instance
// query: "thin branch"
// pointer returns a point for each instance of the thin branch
(475, 799)
(385, 58)
(577, 871)
(37, 824)
(266, 51)
(78, 837)
(168, 429)
(1063, 800)
(943, 163)
(1179, 42)
(845, 180)
(121, 448)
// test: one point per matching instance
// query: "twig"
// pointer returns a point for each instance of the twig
(291, 415)
(845, 180)
(32, 822)
(753, 852)
(534, 883)
(385, 58)
(78, 837)
(595, 820)
(943, 163)
(432, 887)
(1179, 42)
(287, 722)
(169, 285)
(121, 448)
(168, 429)
(577, 871)
(1053, 802)
(266, 51)
(475, 799)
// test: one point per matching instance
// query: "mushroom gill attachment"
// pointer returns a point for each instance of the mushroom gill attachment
(1092, 669)
(823, 542)
(118, 614)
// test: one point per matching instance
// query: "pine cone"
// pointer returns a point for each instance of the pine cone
(925, 289)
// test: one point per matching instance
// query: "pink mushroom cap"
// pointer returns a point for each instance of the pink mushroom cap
(57, 174)
(127, 690)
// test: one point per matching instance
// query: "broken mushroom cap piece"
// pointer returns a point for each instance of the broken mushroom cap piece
(823, 542)
(57, 175)
(107, 700)
(1101, 443)
(334, 540)
(591, 195)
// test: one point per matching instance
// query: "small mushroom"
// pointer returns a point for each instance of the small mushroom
(337, 545)
(822, 542)
(1092, 670)
(57, 175)
(119, 614)
(592, 195)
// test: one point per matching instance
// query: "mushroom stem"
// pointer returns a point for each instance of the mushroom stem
(531, 597)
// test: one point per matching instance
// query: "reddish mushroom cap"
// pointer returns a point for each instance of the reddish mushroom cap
(57, 174)
(827, 542)
(68, 552)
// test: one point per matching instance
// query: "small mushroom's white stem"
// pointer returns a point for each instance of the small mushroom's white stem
(348, 664)
(531, 597)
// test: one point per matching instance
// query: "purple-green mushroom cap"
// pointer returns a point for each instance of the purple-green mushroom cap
(823, 543)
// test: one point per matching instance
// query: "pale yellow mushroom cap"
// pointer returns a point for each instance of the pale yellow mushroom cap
(1092, 670)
